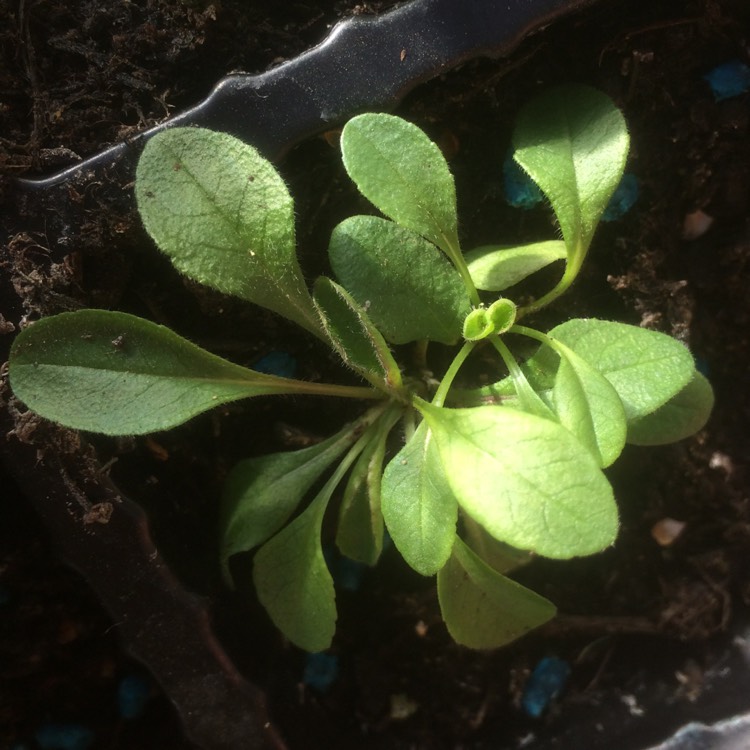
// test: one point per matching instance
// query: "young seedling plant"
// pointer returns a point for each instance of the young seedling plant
(469, 482)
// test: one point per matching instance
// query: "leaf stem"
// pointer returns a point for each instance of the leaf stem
(377, 420)
(410, 426)
(450, 374)
(531, 333)
(572, 269)
(420, 354)
(290, 386)
(558, 347)
(530, 399)
(455, 254)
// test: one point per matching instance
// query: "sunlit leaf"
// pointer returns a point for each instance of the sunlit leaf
(389, 269)
(117, 374)
(399, 169)
(683, 415)
(525, 478)
(496, 268)
(587, 404)
(418, 504)
(646, 368)
(496, 319)
(224, 217)
(573, 141)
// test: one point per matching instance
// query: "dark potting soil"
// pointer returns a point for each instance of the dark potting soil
(80, 75)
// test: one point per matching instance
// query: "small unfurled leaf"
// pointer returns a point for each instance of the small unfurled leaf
(573, 142)
(589, 406)
(118, 374)
(261, 493)
(683, 415)
(389, 269)
(646, 368)
(494, 268)
(525, 478)
(502, 314)
(400, 170)
(483, 609)
(354, 336)
(293, 581)
(419, 507)
(489, 321)
(477, 325)
(224, 217)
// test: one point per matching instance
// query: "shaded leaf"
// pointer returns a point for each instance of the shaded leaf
(260, 494)
(293, 581)
(359, 534)
(501, 557)
(354, 337)
(483, 609)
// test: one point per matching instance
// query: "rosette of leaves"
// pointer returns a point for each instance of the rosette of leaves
(469, 483)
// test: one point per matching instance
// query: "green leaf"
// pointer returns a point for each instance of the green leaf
(501, 557)
(388, 269)
(589, 406)
(290, 573)
(293, 581)
(525, 478)
(399, 169)
(683, 415)
(573, 142)
(419, 506)
(494, 268)
(117, 374)
(646, 368)
(483, 609)
(353, 335)
(261, 493)
(224, 217)
(359, 534)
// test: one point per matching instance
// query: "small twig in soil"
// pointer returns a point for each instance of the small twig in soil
(577, 625)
